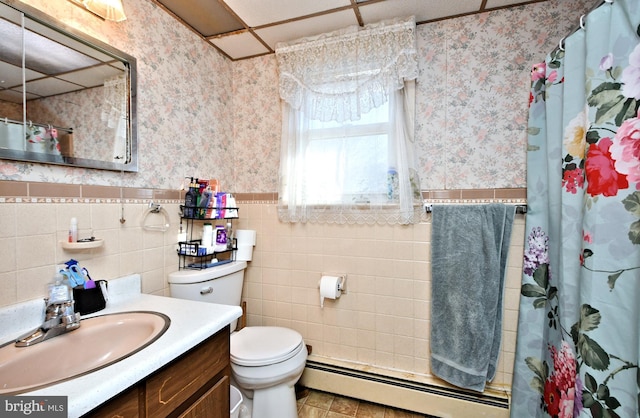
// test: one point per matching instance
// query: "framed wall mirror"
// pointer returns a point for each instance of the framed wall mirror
(65, 98)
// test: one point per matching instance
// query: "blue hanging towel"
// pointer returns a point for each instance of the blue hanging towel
(469, 249)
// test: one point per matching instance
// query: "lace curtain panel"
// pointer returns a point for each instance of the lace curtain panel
(348, 126)
(346, 73)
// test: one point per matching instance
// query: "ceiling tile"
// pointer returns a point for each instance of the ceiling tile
(50, 86)
(208, 17)
(51, 57)
(260, 12)
(92, 77)
(501, 3)
(11, 76)
(421, 9)
(11, 96)
(307, 27)
(239, 45)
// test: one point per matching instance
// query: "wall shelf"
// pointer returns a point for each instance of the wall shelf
(189, 252)
(82, 245)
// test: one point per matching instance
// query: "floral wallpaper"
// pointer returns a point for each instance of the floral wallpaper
(257, 124)
(92, 138)
(472, 99)
(200, 114)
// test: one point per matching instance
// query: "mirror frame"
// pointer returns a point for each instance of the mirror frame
(27, 156)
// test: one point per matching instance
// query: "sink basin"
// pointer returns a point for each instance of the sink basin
(99, 342)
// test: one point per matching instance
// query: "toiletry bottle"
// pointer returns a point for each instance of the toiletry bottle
(205, 201)
(58, 292)
(182, 238)
(221, 238)
(196, 202)
(231, 203)
(73, 230)
(190, 200)
(207, 237)
(229, 236)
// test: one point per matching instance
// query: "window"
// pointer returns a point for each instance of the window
(348, 162)
(347, 126)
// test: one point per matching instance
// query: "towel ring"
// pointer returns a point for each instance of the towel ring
(561, 44)
(156, 208)
(582, 22)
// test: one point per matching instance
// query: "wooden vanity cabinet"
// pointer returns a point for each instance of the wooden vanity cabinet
(195, 384)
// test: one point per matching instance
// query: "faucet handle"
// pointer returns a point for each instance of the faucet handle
(72, 319)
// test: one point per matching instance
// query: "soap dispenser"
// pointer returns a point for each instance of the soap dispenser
(59, 292)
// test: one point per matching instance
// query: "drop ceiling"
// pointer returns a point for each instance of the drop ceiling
(54, 63)
(243, 29)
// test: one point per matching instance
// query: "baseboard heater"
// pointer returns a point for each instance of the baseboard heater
(424, 398)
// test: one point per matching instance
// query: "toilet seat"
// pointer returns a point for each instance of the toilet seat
(262, 346)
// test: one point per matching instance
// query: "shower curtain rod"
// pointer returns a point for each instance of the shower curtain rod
(580, 24)
(519, 208)
(29, 123)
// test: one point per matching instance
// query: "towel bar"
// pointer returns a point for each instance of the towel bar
(519, 208)
(156, 208)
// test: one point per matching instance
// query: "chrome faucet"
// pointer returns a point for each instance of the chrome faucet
(60, 318)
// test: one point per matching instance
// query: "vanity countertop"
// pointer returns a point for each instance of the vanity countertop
(191, 323)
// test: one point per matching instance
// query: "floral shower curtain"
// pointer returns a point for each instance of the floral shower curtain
(578, 345)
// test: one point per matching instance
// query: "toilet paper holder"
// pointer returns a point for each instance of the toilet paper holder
(342, 285)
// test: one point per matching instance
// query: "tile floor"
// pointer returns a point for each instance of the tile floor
(316, 404)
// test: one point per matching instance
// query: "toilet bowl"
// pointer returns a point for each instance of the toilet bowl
(266, 362)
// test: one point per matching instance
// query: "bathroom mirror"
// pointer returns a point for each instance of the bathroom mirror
(65, 98)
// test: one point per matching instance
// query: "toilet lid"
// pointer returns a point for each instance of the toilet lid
(260, 346)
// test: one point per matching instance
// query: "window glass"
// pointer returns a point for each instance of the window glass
(348, 162)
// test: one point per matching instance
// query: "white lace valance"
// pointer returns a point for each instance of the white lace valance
(343, 74)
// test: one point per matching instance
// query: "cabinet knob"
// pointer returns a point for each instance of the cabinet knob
(206, 290)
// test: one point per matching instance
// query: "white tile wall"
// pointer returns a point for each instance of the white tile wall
(383, 319)
(29, 246)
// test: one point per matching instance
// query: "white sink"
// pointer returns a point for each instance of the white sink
(99, 342)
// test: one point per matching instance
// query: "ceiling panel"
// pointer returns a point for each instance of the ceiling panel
(422, 10)
(307, 27)
(491, 4)
(230, 29)
(208, 17)
(92, 77)
(239, 45)
(11, 96)
(260, 12)
(11, 75)
(50, 86)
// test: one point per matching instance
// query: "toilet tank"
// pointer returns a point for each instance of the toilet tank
(221, 284)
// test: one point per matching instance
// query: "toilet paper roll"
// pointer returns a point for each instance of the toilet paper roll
(329, 288)
(244, 252)
(246, 236)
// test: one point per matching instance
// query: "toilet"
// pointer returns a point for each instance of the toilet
(266, 362)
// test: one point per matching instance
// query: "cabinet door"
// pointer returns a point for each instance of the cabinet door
(213, 404)
(172, 386)
(126, 405)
